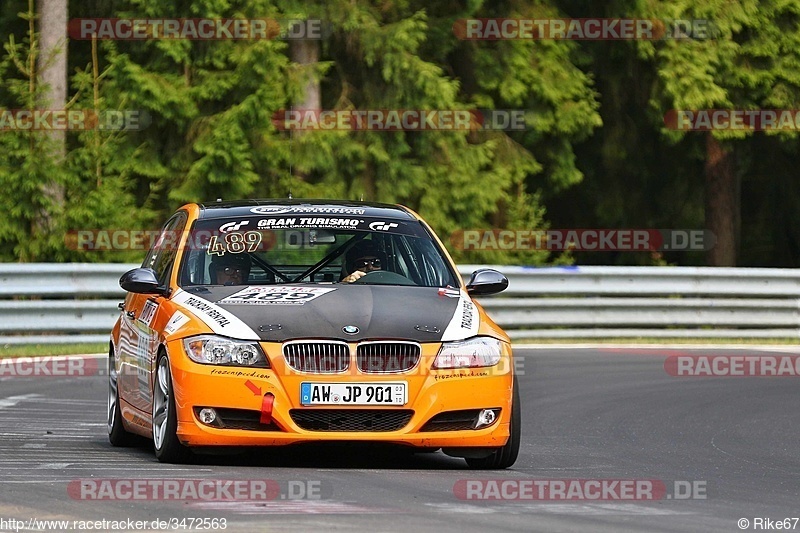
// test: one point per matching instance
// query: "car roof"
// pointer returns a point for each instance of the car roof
(268, 206)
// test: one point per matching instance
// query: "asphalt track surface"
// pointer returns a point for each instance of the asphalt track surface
(602, 414)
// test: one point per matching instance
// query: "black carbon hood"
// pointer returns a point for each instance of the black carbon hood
(421, 314)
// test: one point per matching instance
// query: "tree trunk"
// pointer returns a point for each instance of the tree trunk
(52, 69)
(306, 52)
(721, 203)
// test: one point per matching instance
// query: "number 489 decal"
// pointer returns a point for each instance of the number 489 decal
(257, 295)
(235, 243)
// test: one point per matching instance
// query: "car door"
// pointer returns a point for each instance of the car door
(140, 348)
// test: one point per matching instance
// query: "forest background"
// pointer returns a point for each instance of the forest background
(596, 152)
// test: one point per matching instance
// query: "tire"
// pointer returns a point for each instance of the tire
(117, 434)
(504, 456)
(168, 448)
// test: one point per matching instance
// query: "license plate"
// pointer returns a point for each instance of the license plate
(384, 393)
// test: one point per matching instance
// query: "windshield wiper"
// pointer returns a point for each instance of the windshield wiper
(197, 288)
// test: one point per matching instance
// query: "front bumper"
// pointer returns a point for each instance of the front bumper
(430, 392)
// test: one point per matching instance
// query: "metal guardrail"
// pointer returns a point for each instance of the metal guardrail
(48, 303)
(55, 303)
(688, 302)
(52, 280)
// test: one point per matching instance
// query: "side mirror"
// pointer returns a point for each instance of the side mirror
(141, 281)
(487, 281)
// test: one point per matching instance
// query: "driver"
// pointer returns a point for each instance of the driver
(364, 257)
(229, 269)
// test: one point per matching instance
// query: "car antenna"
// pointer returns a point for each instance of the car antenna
(290, 194)
(291, 150)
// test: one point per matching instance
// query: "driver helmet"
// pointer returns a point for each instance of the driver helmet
(361, 250)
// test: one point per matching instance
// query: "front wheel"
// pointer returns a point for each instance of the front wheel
(117, 434)
(504, 456)
(165, 418)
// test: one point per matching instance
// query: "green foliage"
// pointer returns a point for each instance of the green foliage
(100, 192)
(751, 63)
(29, 216)
(593, 153)
(211, 135)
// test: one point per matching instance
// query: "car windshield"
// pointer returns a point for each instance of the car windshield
(280, 250)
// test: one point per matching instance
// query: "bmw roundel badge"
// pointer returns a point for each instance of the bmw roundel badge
(350, 330)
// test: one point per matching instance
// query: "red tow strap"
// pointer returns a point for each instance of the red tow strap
(266, 408)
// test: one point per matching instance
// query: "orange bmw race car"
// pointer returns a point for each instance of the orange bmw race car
(265, 323)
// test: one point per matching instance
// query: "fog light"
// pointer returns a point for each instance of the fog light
(486, 418)
(207, 415)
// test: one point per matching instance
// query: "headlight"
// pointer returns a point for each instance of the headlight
(474, 352)
(211, 350)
